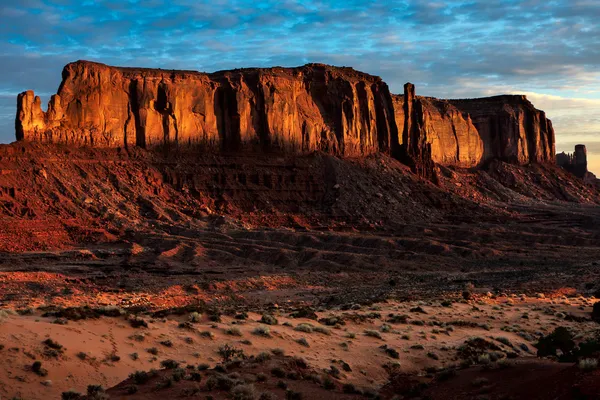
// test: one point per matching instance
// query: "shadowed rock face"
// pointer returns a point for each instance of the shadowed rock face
(576, 163)
(315, 107)
(511, 128)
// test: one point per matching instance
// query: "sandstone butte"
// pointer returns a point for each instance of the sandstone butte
(315, 107)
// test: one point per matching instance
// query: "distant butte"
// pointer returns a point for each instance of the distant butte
(315, 107)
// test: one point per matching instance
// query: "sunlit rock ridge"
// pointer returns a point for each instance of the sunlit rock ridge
(315, 107)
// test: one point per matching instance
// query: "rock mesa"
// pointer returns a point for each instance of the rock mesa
(315, 107)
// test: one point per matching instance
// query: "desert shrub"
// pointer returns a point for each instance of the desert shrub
(229, 353)
(332, 321)
(393, 353)
(131, 389)
(397, 319)
(261, 377)
(52, 344)
(71, 395)
(169, 364)
(262, 357)
(504, 340)
(262, 331)
(137, 322)
(588, 364)
(278, 352)
(37, 368)
(278, 372)
(282, 385)
(560, 339)
(241, 316)
(138, 337)
(322, 330)
(178, 374)
(334, 371)
(96, 392)
(233, 331)
(195, 376)
(152, 350)
(484, 359)
(373, 333)
(267, 396)
(496, 355)
(164, 382)
(349, 388)
(141, 377)
(307, 328)
(268, 319)
(186, 325)
(303, 342)
(166, 343)
(305, 312)
(195, 317)
(207, 334)
(214, 315)
(243, 392)
(328, 383)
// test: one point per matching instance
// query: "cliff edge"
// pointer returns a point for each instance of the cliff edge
(315, 107)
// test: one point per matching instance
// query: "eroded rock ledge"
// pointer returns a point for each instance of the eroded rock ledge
(314, 107)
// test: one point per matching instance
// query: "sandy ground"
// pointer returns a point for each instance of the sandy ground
(518, 319)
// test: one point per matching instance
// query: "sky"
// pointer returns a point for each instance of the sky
(546, 49)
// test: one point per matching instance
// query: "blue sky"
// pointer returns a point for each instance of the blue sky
(549, 50)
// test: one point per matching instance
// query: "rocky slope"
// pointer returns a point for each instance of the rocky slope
(316, 107)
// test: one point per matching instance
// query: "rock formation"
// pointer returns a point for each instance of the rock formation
(314, 107)
(433, 129)
(311, 108)
(576, 163)
(511, 128)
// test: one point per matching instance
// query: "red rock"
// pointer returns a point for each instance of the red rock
(315, 107)
(311, 108)
(511, 128)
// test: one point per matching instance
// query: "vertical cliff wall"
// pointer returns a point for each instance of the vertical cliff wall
(314, 107)
(311, 108)
(511, 128)
(434, 128)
